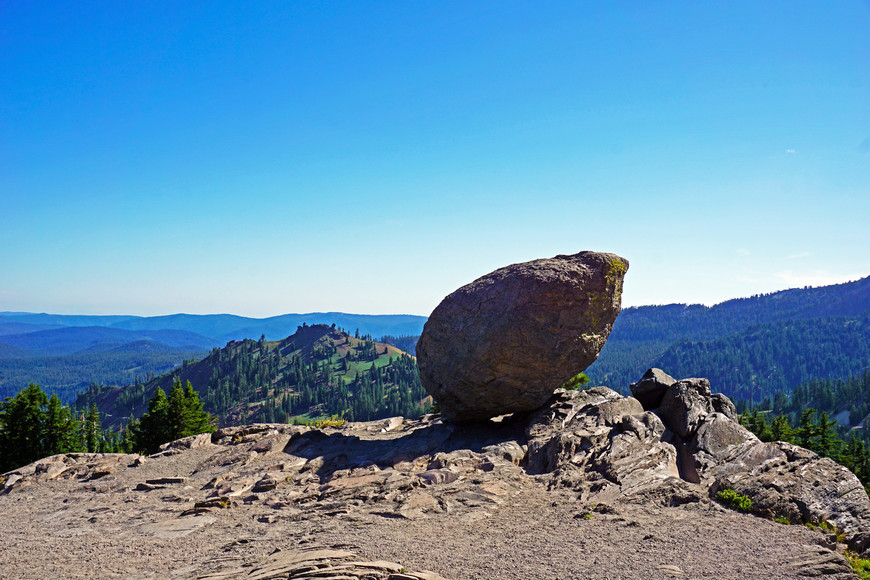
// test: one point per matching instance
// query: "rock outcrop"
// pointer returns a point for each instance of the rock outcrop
(506, 341)
(781, 479)
(271, 500)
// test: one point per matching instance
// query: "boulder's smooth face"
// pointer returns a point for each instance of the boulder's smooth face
(506, 341)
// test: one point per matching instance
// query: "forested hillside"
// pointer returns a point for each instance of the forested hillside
(749, 347)
(762, 361)
(318, 371)
(405, 343)
(65, 353)
(68, 375)
(846, 400)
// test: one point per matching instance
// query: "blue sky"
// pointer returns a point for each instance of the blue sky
(257, 159)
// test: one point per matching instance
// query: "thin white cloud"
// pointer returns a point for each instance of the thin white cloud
(789, 151)
(814, 278)
(798, 256)
(743, 251)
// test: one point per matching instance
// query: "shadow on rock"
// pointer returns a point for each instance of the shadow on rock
(339, 450)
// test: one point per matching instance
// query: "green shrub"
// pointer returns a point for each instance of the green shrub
(830, 528)
(734, 500)
(335, 421)
(860, 565)
(577, 382)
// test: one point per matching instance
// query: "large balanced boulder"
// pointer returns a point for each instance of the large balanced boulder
(506, 341)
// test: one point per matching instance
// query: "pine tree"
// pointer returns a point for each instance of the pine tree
(91, 428)
(806, 428)
(827, 444)
(196, 420)
(22, 421)
(780, 430)
(179, 415)
(61, 430)
(176, 413)
(153, 427)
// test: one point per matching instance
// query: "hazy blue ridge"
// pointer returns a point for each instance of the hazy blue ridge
(9, 351)
(7, 328)
(70, 374)
(64, 319)
(141, 347)
(72, 339)
(649, 336)
(211, 325)
(225, 327)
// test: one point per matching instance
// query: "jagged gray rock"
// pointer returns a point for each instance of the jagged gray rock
(605, 447)
(650, 389)
(506, 341)
(684, 405)
(783, 480)
(322, 563)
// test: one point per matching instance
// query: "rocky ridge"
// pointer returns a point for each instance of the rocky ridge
(591, 485)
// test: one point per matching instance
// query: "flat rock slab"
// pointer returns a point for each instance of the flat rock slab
(322, 563)
(176, 528)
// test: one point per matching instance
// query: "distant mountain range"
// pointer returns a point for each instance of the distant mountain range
(216, 328)
(750, 348)
(66, 353)
(317, 371)
(72, 339)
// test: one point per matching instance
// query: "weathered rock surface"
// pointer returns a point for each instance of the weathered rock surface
(783, 480)
(560, 492)
(506, 341)
(320, 563)
(651, 388)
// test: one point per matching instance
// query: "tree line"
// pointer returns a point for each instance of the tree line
(817, 432)
(754, 363)
(34, 425)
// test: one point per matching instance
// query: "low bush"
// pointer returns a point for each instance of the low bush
(734, 500)
(860, 565)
